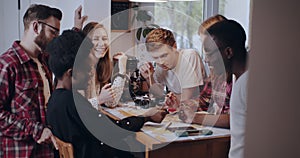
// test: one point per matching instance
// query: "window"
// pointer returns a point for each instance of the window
(237, 10)
(183, 18)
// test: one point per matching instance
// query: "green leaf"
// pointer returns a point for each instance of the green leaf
(145, 32)
(138, 33)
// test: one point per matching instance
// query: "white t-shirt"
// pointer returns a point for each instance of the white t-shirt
(238, 109)
(186, 74)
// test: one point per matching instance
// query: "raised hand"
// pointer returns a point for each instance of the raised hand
(122, 60)
(78, 18)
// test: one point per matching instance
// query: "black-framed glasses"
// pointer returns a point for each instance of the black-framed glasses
(55, 30)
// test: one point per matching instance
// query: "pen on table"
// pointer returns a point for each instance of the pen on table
(168, 125)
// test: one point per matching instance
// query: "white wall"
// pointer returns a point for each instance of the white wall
(238, 10)
(68, 10)
(10, 19)
(1, 26)
(99, 11)
(9, 23)
(272, 129)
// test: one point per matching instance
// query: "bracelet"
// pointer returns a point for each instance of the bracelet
(121, 75)
(76, 29)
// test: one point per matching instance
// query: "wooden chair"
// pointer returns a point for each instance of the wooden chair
(65, 149)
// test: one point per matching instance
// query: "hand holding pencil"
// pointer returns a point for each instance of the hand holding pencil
(171, 101)
(147, 70)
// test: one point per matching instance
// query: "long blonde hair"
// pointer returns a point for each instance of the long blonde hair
(104, 64)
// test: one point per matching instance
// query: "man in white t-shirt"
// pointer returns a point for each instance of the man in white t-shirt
(179, 70)
(227, 38)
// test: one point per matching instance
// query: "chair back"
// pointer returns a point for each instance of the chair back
(65, 149)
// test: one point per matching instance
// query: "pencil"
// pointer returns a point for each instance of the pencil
(150, 80)
(168, 125)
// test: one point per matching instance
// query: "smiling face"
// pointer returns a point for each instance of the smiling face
(100, 41)
(165, 57)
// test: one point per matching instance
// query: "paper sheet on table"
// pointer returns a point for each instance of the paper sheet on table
(123, 112)
(163, 135)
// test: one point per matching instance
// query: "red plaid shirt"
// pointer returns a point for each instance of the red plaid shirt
(22, 105)
(216, 90)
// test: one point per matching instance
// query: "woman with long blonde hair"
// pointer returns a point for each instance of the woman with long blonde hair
(100, 90)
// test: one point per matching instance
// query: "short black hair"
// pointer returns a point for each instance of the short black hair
(65, 48)
(40, 12)
(229, 33)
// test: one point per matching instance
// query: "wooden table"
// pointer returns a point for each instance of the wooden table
(201, 148)
(160, 144)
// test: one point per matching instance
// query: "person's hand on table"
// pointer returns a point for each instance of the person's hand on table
(186, 114)
(155, 115)
(187, 110)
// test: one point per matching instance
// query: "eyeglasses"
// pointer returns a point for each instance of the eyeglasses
(55, 30)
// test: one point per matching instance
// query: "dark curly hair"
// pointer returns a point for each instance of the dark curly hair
(229, 33)
(65, 48)
(40, 12)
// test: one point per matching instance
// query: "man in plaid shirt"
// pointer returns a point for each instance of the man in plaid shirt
(26, 83)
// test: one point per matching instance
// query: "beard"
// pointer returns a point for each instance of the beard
(41, 40)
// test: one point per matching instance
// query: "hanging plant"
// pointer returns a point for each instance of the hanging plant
(143, 16)
(143, 31)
